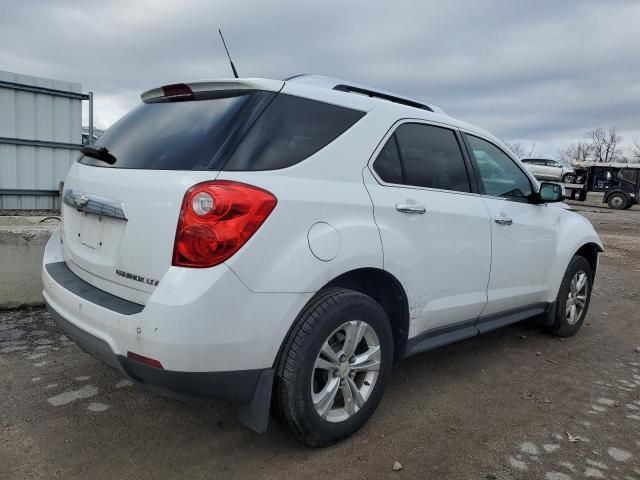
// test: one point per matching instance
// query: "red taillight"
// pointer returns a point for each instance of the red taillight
(146, 360)
(216, 219)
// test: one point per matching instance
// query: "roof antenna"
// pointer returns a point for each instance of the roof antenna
(235, 73)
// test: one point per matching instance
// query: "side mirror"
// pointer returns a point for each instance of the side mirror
(551, 192)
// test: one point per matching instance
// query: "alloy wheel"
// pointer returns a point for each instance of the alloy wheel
(577, 297)
(345, 371)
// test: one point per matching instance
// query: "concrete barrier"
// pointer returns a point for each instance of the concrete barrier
(22, 241)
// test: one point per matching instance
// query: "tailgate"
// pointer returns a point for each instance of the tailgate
(119, 226)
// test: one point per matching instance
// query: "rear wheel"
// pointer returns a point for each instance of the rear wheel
(334, 367)
(618, 201)
(572, 302)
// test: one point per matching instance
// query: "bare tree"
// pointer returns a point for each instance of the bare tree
(635, 150)
(533, 147)
(516, 148)
(604, 144)
(576, 152)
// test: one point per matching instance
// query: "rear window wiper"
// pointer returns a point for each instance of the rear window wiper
(101, 153)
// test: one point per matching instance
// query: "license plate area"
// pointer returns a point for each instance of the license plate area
(91, 230)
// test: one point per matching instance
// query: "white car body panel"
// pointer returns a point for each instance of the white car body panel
(522, 253)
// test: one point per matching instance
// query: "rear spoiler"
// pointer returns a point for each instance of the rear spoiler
(209, 89)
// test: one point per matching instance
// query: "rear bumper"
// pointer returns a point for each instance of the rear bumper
(235, 386)
(196, 320)
(214, 337)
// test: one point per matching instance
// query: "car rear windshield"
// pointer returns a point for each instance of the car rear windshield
(179, 135)
(249, 131)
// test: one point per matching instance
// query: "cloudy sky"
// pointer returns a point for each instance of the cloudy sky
(538, 72)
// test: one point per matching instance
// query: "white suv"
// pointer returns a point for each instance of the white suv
(545, 169)
(282, 243)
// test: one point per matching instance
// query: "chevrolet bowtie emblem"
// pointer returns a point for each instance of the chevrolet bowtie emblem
(80, 200)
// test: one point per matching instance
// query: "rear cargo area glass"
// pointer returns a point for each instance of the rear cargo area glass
(180, 135)
(290, 130)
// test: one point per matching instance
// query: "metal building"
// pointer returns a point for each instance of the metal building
(40, 135)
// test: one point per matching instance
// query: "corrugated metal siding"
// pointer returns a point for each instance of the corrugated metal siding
(36, 116)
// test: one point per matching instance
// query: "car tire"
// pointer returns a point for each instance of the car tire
(582, 196)
(304, 369)
(569, 178)
(618, 201)
(563, 321)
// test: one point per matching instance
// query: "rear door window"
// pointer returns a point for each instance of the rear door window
(431, 157)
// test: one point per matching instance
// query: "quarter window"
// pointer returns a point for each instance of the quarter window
(387, 165)
(290, 130)
(499, 174)
(425, 156)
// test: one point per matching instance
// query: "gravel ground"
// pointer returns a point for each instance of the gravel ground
(512, 404)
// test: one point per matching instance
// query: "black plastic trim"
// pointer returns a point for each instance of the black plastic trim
(466, 154)
(442, 336)
(383, 96)
(61, 273)
(502, 319)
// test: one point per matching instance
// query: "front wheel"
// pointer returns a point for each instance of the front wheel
(334, 367)
(574, 296)
(569, 178)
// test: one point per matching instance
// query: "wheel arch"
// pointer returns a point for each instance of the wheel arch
(380, 285)
(590, 251)
(388, 291)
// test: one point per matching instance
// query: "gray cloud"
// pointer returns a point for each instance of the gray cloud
(540, 72)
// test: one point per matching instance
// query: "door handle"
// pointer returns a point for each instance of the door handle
(416, 209)
(503, 221)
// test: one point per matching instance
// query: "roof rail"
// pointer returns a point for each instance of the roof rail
(382, 95)
(351, 87)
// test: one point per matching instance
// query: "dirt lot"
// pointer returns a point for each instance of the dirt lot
(512, 404)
